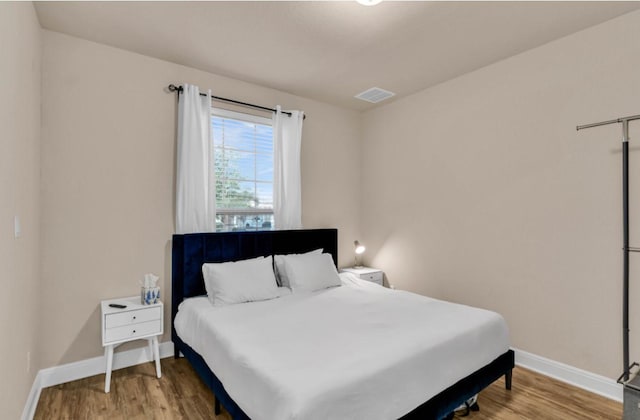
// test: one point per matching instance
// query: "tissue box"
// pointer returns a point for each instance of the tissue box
(149, 295)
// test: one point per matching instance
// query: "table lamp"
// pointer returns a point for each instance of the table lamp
(359, 250)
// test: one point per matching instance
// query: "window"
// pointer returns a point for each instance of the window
(243, 151)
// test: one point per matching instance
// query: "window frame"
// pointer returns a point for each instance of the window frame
(253, 119)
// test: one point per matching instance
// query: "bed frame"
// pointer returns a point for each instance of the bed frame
(190, 251)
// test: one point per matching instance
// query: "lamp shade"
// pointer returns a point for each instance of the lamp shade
(359, 247)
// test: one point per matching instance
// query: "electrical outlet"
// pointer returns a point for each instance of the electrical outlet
(28, 362)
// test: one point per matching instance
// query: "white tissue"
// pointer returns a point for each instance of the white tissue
(150, 280)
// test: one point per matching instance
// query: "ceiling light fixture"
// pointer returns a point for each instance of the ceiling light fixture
(368, 2)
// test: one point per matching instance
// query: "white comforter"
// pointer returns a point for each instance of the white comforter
(358, 351)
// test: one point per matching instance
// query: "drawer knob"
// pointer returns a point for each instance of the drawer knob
(134, 331)
(134, 317)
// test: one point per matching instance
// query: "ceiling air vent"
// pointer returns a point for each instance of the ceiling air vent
(374, 95)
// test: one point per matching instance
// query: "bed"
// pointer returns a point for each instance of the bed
(378, 377)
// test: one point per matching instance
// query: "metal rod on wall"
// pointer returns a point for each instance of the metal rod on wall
(178, 89)
(625, 233)
(625, 278)
(618, 120)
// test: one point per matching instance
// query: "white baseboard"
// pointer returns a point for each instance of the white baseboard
(85, 368)
(588, 381)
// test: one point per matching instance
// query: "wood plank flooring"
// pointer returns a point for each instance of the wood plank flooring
(137, 394)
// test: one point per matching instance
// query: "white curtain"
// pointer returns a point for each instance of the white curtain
(195, 180)
(287, 191)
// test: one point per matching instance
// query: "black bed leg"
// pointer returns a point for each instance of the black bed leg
(176, 352)
(507, 379)
(216, 402)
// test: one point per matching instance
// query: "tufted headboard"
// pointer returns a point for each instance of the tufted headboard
(190, 251)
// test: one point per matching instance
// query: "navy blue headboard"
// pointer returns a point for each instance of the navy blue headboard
(192, 250)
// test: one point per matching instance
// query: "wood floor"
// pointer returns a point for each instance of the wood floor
(137, 394)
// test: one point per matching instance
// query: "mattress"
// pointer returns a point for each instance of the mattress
(357, 351)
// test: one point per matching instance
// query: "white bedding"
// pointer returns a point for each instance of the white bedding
(358, 351)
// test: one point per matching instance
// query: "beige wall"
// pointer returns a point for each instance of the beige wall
(108, 179)
(20, 43)
(480, 191)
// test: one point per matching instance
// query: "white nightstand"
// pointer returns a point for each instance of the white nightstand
(366, 273)
(135, 322)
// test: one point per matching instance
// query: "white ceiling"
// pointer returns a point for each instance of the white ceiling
(329, 51)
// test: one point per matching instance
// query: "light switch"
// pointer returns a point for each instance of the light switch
(17, 231)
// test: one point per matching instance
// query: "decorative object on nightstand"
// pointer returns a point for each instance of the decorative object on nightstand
(359, 251)
(133, 322)
(365, 273)
(149, 289)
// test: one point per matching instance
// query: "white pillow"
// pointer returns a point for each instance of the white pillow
(241, 281)
(310, 272)
(281, 274)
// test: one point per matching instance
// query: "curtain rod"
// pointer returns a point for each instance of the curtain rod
(178, 89)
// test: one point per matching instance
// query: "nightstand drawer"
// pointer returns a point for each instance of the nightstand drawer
(373, 277)
(132, 317)
(132, 331)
